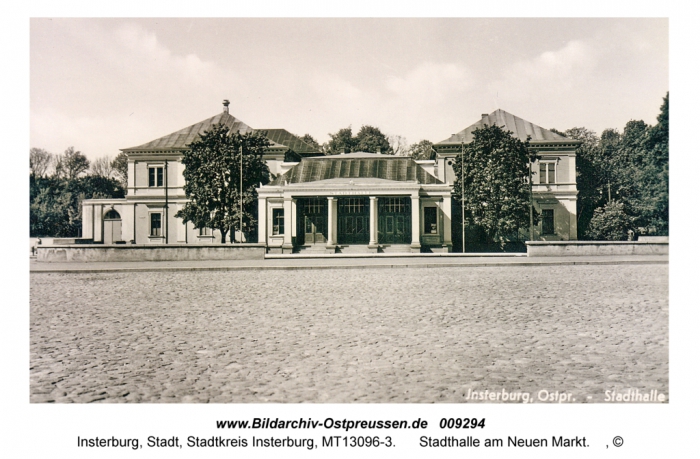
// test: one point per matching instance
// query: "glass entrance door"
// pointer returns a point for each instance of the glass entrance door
(313, 220)
(353, 220)
(394, 220)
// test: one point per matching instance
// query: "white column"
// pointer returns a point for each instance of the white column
(415, 223)
(130, 177)
(447, 222)
(294, 219)
(373, 222)
(98, 235)
(262, 220)
(332, 236)
(87, 221)
(287, 245)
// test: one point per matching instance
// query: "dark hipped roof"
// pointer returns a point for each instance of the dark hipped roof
(180, 139)
(356, 165)
(286, 138)
(518, 126)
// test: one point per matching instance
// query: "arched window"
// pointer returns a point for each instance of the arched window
(112, 215)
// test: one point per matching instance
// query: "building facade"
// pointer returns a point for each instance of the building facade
(355, 202)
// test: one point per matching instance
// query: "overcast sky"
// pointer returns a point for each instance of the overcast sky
(104, 84)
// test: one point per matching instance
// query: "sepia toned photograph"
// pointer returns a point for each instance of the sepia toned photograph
(344, 210)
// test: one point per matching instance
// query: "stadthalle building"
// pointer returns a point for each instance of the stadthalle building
(353, 202)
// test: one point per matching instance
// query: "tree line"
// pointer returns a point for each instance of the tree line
(58, 184)
(623, 180)
(371, 139)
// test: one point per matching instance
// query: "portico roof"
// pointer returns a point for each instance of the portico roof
(358, 165)
(518, 126)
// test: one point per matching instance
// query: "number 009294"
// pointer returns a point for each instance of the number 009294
(462, 423)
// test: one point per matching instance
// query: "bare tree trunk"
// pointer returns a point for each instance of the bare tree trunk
(223, 235)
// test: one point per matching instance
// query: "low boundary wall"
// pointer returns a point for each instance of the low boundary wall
(171, 252)
(592, 248)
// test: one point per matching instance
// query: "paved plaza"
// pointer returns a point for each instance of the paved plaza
(348, 335)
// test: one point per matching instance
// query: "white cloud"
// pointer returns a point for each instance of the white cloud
(430, 82)
(333, 87)
(121, 83)
(551, 73)
(143, 56)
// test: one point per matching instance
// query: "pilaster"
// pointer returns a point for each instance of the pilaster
(415, 223)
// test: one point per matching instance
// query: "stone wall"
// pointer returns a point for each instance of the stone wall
(171, 252)
(593, 248)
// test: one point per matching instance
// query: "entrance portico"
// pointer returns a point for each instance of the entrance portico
(383, 203)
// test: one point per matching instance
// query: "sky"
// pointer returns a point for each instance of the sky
(104, 84)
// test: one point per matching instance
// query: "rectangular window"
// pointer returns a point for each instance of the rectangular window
(547, 221)
(277, 221)
(156, 230)
(155, 176)
(430, 220)
(547, 174)
(205, 231)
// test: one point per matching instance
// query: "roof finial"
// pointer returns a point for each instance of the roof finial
(226, 102)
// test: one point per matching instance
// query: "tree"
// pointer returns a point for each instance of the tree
(120, 165)
(102, 167)
(371, 140)
(341, 142)
(55, 204)
(610, 223)
(213, 179)
(422, 150)
(496, 192)
(71, 164)
(368, 139)
(629, 168)
(309, 140)
(39, 162)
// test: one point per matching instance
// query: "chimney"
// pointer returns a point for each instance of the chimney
(226, 102)
(379, 151)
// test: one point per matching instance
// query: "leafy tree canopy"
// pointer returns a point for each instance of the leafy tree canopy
(368, 139)
(308, 139)
(371, 140)
(628, 168)
(610, 223)
(496, 193)
(55, 203)
(212, 179)
(341, 142)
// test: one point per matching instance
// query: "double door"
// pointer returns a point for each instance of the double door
(394, 225)
(313, 221)
(353, 220)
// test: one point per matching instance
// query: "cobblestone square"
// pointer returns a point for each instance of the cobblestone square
(348, 335)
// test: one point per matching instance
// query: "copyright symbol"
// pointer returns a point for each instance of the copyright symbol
(617, 441)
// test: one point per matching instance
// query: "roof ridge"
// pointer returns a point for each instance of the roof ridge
(179, 139)
(520, 128)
